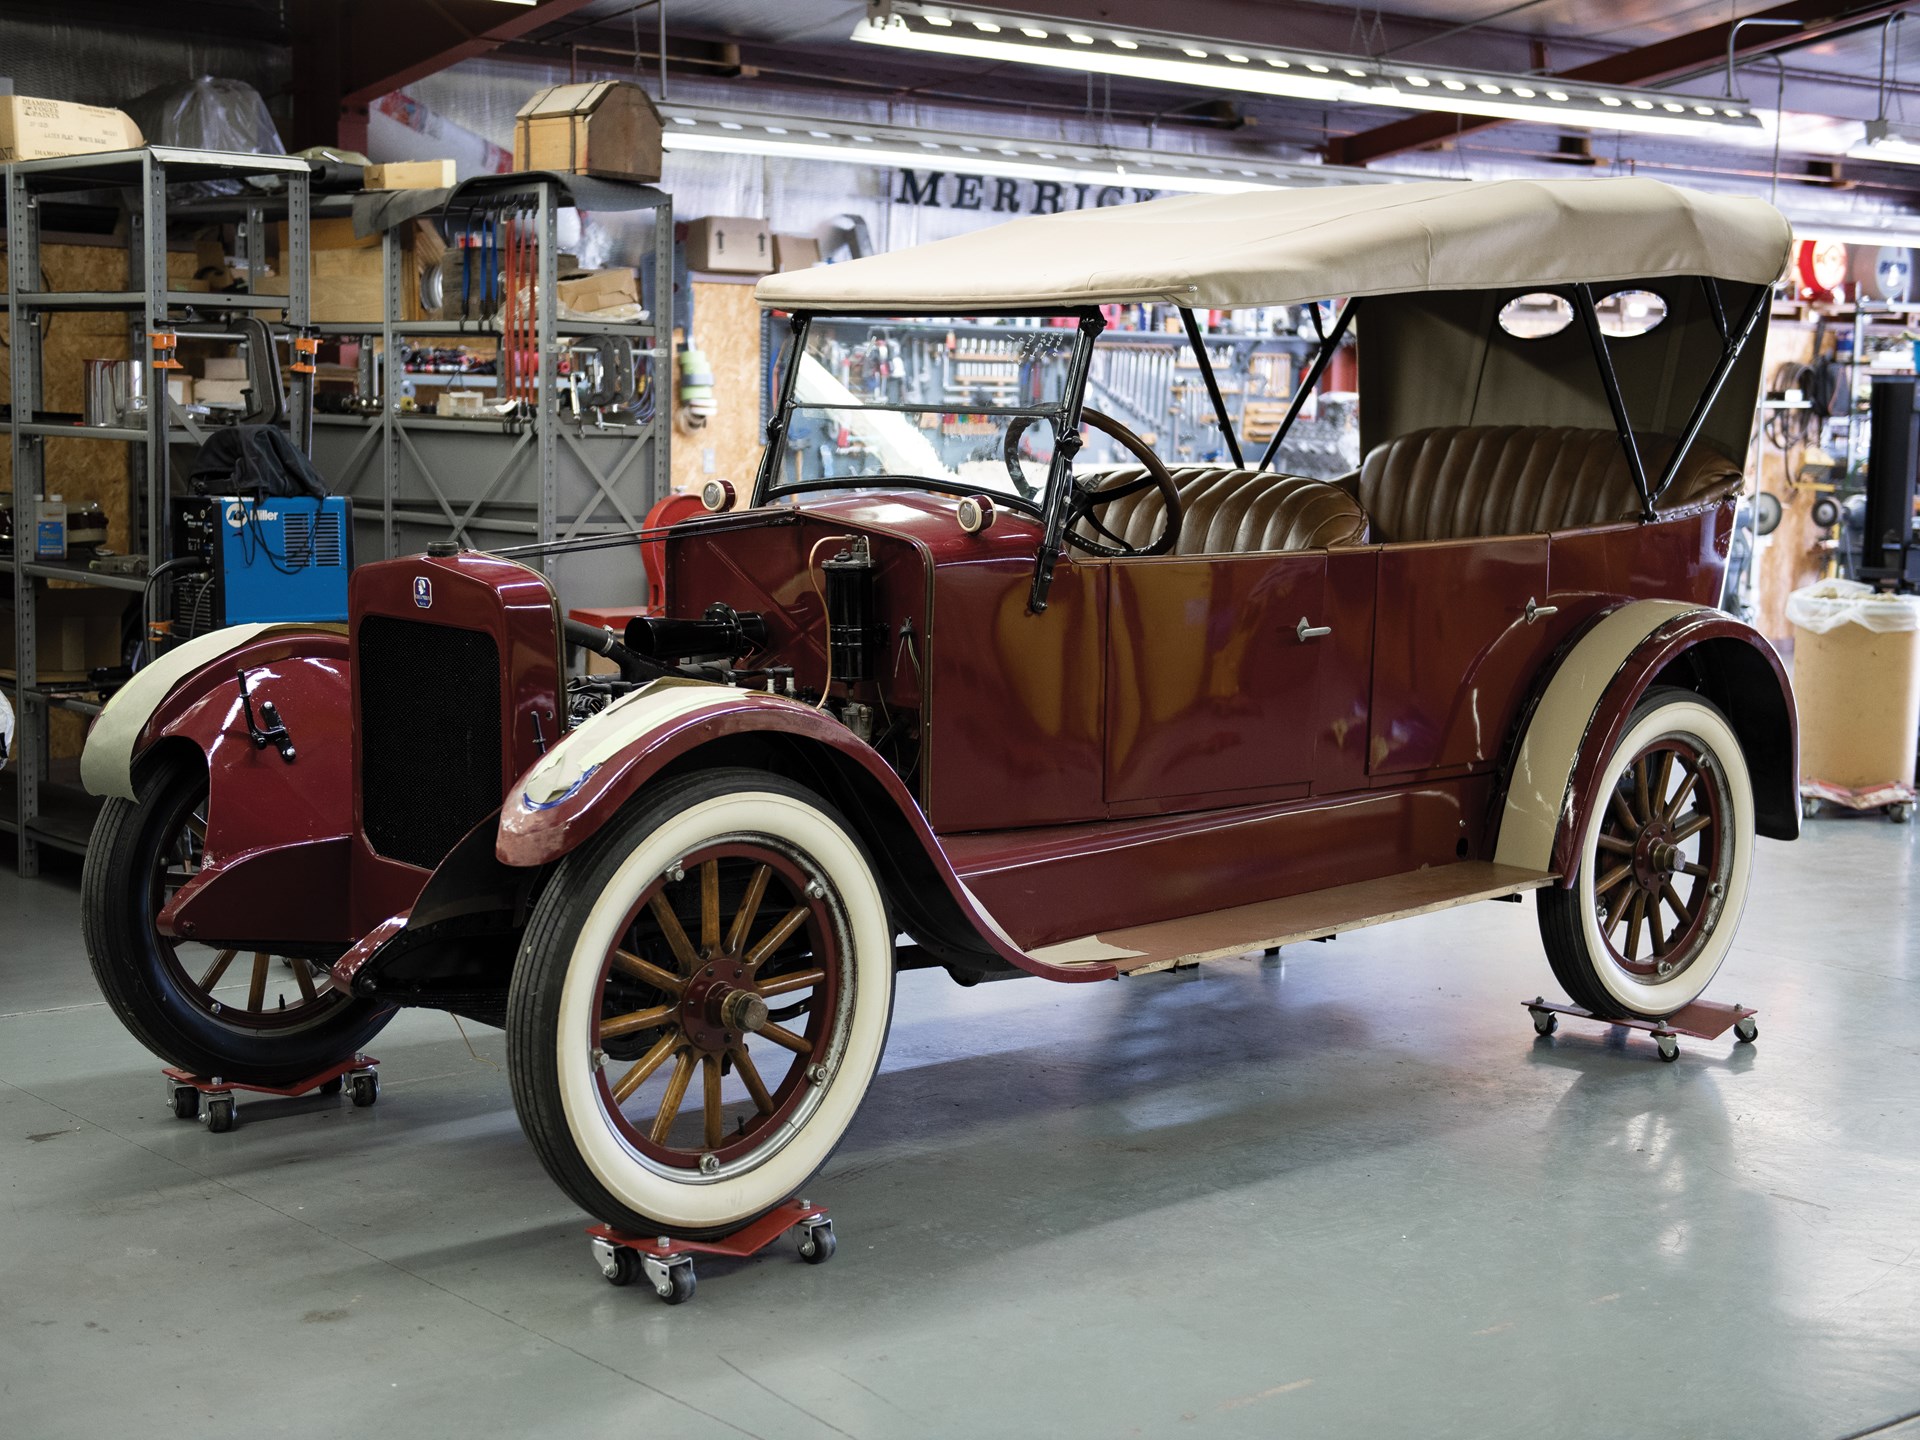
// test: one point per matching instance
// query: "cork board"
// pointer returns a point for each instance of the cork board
(727, 328)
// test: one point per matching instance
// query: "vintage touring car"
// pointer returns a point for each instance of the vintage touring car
(977, 679)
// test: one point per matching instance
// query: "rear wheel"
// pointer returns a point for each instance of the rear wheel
(240, 1014)
(1663, 868)
(701, 1001)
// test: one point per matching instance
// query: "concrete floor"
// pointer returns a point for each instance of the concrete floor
(1348, 1194)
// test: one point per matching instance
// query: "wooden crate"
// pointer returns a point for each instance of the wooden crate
(608, 128)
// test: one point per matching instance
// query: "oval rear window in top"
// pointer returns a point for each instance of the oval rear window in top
(1626, 313)
(1535, 315)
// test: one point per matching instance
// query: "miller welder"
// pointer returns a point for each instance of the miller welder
(261, 559)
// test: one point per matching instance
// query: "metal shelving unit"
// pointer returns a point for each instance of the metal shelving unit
(136, 182)
(538, 476)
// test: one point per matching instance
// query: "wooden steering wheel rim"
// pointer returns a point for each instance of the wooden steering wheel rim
(1157, 475)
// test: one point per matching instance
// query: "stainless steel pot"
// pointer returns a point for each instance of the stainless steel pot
(116, 392)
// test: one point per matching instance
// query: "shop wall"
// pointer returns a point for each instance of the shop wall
(726, 329)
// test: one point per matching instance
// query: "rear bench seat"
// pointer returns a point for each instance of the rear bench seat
(1459, 481)
(1228, 511)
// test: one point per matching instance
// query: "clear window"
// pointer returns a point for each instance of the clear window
(1535, 315)
(1626, 313)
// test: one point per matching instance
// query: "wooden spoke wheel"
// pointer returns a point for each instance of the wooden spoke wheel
(1664, 865)
(701, 1001)
(237, 1011)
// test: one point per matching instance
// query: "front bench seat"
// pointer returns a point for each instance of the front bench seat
(1230, 511)
(1458, 481)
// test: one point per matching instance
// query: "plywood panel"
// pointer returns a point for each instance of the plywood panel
(727, 328)
(1793, 555)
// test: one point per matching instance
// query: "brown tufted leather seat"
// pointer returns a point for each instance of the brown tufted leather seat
(1459, 481)
(1226, 511)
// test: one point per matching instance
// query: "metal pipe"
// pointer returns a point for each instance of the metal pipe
(1327, 346)
(776, 445)
(1733, 34)
(1610, 382)
(1066, 446)
(1213, 385)
(1712, 288)
(1756, 307)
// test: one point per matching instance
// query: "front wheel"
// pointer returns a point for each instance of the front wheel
(214, 1010)
(701, 1000)
(1664, 861)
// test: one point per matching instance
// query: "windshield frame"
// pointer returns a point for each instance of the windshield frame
(1064, 417)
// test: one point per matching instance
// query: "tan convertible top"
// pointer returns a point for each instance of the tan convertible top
(1284, 247)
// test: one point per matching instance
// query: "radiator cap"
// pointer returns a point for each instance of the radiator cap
(441, 549)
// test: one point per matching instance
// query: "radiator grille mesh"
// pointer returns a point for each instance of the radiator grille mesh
(429, 735)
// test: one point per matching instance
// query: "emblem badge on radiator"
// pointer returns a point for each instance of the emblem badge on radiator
(423, 592)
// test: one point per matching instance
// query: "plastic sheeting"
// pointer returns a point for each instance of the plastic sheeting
(208, 114)
(1833, 603)
(6, 729)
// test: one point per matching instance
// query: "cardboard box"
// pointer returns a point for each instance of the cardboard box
(795, 252)
(411, 175)
(591, 291)
(221, 392)
(75, 631)
(608, 128)
(32, 129)
(224, 367)
(346, 277)
(1858, 693)
(180, 387)
(729, 245)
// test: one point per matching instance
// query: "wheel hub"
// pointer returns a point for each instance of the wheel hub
(1655, 857)
(719, 1008)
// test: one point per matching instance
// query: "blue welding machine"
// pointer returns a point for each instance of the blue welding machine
(273, 559)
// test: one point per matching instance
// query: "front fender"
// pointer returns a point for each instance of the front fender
(573, 790)
(1556, 774)
(275, 869)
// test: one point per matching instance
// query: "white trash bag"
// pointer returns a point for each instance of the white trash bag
(1833, 603)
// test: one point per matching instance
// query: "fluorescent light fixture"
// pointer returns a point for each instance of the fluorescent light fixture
(708, 129)
(1891, 141)
(1287, 73)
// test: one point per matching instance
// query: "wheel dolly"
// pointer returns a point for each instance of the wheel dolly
(359, 1076)
(1702, 1020)
(667, 1260)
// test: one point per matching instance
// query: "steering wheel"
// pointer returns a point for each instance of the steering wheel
(1088, 498)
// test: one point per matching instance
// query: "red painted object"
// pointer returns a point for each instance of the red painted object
(1149, 716)
(359, 1075)
(1703, 1020)
(666, 1262)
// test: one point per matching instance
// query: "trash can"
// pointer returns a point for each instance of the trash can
(1856, 677)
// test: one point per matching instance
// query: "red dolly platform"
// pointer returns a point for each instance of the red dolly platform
(359, 1076)
(1703, 1020)
(667, 1261)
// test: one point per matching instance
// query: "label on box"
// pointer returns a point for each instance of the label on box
(50, 539)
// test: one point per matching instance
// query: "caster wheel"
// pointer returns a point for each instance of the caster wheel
(626, 1268)
(366, 1089)
(817, 1244)
(1545, 1022)
(1901, 813)
(1746, 1031)
(185, 1102)
(220, 1113)
(1669, 1048)
(1809, 807)
(678, 1287)
(333, 1086)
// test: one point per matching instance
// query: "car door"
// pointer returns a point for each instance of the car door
(1213, 677)
(1456, 650)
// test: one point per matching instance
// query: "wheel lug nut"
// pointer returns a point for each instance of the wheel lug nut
(709, 1163)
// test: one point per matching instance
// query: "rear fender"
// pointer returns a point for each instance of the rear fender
(1556, 777)
(673, 726)
(275, 867)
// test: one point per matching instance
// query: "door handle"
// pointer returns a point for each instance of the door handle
(1539, 612)
(1308, 632)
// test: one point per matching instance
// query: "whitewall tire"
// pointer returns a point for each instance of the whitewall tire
(1665, 859)
(700, 1003)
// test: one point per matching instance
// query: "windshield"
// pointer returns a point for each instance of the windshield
(928, 399)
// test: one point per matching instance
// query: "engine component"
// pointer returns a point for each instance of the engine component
(722, 631)
(851, 632)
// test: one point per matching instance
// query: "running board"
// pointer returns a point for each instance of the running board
(1224, 934)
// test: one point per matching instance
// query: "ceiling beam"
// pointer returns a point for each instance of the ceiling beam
(428, 37)
(1688, 54)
